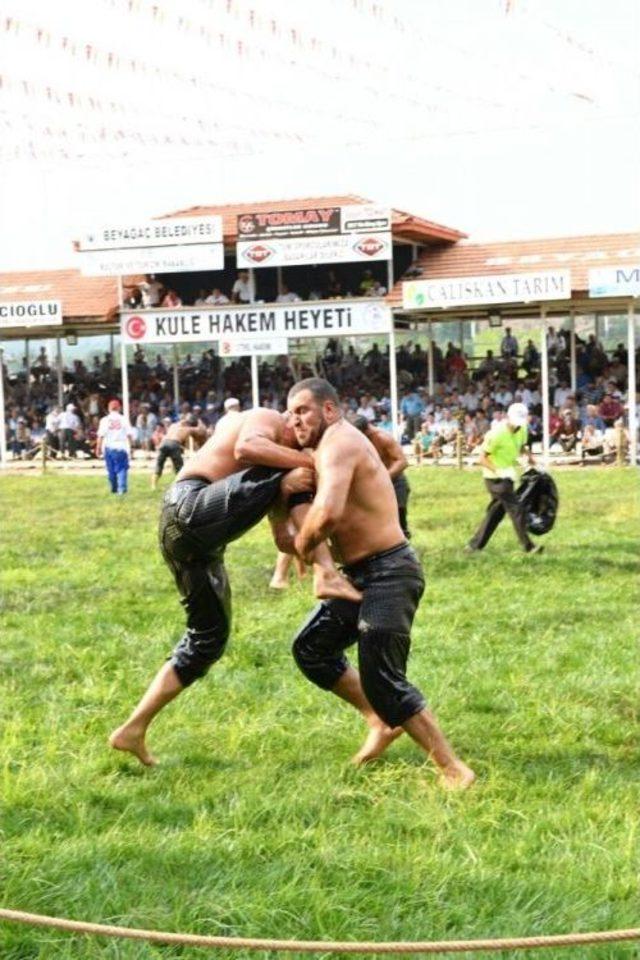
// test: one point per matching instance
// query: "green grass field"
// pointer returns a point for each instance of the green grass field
(255, 824)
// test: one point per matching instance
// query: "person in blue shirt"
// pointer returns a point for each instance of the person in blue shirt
(412, 408)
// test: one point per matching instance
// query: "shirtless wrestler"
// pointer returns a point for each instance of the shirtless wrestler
(173, 443)
(394, 460)
(214, 501)
(355, 505)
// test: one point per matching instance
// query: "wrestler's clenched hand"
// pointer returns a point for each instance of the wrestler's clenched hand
(300, 480)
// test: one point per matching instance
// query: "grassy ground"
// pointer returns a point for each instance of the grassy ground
(255, 824)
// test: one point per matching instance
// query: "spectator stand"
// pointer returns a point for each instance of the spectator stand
(507, 282)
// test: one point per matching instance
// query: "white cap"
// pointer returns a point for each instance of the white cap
(231, 403)
(70, 407)
(518, 415)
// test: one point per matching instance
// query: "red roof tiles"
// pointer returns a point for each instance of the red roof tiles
(405, 226)
(81, 297)
(579, 254)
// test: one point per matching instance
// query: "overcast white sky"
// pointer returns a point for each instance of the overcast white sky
(503, 118)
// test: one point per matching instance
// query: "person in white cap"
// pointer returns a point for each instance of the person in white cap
(69, 425)
(499, 460)
(232, 404)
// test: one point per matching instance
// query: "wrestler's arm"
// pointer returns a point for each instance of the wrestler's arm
(335, 466)
(390, 452)
(257, 443)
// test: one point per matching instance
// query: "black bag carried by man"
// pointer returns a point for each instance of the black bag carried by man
(539, 494)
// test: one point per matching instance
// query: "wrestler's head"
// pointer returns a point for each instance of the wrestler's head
(313, 406)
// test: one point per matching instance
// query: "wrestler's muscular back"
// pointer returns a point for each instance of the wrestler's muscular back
(370, 521)
(217, 459)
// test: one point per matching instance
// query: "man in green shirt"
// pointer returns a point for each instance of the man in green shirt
(499, 460)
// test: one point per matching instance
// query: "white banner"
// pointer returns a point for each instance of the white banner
(298, 251)
(178, 231)
(30, 313)
(622, 281)
(257, 322)
(247, 348)
(183, 259)
(365, 218)
(499, 288)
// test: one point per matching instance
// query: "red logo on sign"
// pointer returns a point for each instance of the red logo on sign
(258, 253)
(136, 328)
(369, 246)
(246, 225)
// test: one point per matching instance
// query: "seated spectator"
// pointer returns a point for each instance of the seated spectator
(366, 284)
(217, 298)
(610, 408)
(561, 393)
(202, 298)
(287, 296)
(568, 433)
(592, 442)
(366, 408)
(592, 418)
(555, 423)
(171, 299)
(508, 344)
(243, 290)
(377, 290)
(22, 441)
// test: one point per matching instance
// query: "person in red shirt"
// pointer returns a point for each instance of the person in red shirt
(555, 425)
(610, 409)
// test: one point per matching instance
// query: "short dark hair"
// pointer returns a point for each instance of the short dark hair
(360, 423)
(321, 390)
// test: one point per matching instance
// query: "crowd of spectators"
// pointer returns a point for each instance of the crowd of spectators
(328, 285)
(469, 395)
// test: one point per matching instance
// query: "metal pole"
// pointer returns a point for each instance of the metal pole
(572, 343)
(59, 369)
(124, 370)
(279, 281)
(28, 370)
(631, 385)
(176, 380)
(544, 386)
(3, 422)
(255, 387)
(461, 335)
(393, 382)
(432, 382)
(596, 326)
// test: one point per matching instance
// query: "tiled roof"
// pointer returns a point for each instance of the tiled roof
(94, 297)
(405, 226)
(579, 254)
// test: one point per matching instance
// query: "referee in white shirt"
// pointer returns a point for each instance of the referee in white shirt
(114, 435)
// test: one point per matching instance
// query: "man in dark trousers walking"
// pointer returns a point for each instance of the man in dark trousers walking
(499, 459)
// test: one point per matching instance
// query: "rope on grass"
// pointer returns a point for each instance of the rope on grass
(320, 946)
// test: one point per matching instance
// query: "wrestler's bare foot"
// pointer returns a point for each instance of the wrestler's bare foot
(457, 777)
(277, 584)
(376, 742)
(331, 585)
(131, 740)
